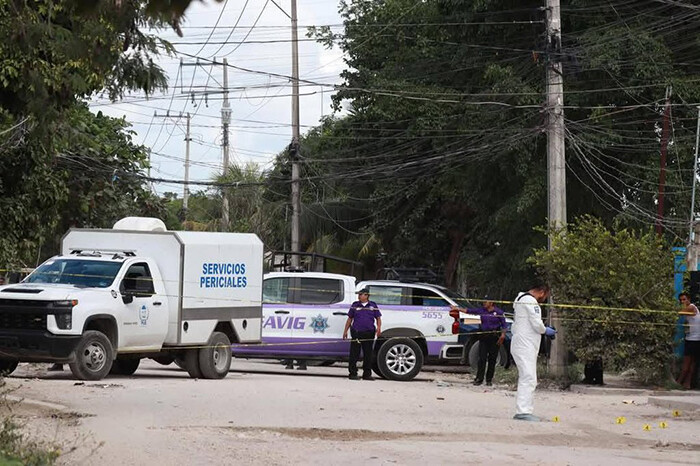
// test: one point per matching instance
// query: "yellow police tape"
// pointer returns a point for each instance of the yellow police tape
(334, 340)
(562, 306)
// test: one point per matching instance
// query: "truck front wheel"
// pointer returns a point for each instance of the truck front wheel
(215, 358)
(400, 359)
(7, 366)
(93, 356)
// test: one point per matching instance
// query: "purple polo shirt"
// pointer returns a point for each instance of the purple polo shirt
(363, 316)
(490, 320)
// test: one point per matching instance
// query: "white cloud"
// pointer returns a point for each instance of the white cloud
(261, 118)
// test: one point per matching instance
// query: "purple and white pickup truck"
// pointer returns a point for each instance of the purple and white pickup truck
(304, 314)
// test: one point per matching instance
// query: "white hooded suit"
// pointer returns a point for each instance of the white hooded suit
(527, 333)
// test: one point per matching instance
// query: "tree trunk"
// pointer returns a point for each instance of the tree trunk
(457, 238)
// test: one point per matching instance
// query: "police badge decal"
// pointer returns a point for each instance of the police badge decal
(319, 323)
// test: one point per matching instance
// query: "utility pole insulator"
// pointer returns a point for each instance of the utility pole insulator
(293, 151)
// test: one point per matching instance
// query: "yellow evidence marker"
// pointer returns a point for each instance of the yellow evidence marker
(646, 427)
(620, 420)
(555, 419)
(663, 424)
(676, 413)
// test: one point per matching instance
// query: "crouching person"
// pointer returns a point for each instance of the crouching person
(361, 319)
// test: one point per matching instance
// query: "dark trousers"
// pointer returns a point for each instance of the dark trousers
(488, 351)
(366, 343)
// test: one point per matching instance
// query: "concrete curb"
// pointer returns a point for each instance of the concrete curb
(676, 402)
(674, 393)
(625, 391)
(590, 390)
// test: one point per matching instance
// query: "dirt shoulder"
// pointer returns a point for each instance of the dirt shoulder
(262, 414)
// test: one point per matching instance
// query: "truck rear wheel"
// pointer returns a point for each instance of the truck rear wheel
(7, 366)
(180, 361)
(215, 358)
(400, 359)
(191, 363)
(93, 356)
(125, 366)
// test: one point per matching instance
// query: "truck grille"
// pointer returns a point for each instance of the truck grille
(22, 321)
(23, 314)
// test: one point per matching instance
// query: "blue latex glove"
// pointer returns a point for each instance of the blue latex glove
(550, 332)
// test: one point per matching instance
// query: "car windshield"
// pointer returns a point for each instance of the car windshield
(81, 273)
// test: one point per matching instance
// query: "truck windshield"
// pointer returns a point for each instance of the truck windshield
(82, 273)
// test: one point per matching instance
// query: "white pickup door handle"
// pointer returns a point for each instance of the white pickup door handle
(281, 312)
(157, 303)
(340, 313)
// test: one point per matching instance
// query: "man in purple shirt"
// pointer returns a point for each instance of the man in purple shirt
(492, 335)
(361, 317)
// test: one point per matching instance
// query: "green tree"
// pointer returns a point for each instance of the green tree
(55, 158)
(592, 265)
(244, 187)
(98, 170)
(444, 137)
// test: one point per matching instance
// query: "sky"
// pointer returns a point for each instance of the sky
(260, 103)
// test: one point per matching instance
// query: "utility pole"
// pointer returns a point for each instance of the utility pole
(556, 162)
(188, 138)
(186, 189)
(294, 146)
(662, 169)
(692, 246)
(225, 120)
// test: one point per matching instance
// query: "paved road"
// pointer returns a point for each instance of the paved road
(263, 414)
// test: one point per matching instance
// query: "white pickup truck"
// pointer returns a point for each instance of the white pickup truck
(137, 291)
(304, 314)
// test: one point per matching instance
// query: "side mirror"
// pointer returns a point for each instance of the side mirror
(127, 298)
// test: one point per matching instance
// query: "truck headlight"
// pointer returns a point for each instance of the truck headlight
(64, 321)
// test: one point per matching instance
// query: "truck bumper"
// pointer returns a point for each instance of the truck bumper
(36, 346)
(441, 351)
(451, 352)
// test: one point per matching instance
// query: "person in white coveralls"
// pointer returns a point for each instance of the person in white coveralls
(527, 333)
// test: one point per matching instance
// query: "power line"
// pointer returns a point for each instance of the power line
(221, 14)
(233, 28)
